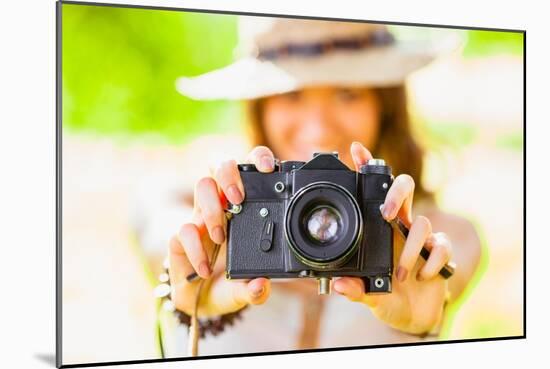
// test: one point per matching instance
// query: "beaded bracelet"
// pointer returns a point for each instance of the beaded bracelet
(213, 326)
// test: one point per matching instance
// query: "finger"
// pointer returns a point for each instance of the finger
(180, 268)
(262, 158)
(399, 199)
(189, 238)
(420, 230)
(257, 291)
(440, 254)
(230, 295)
(360, 155)
(354, 289)
(350, 287)
(210, 207)
(229, 180)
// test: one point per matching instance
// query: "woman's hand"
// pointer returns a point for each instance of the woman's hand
(415, 304)
(191, 248)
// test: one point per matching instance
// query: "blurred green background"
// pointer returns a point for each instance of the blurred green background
(120, 67)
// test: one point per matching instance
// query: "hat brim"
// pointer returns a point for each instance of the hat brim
(250, 78)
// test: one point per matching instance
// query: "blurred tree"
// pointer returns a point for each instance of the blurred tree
(487, 43)
(120, 66)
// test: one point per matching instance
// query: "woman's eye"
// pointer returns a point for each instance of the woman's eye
(291, 96)
(347, 94)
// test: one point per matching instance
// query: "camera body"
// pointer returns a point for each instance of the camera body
(315, 219)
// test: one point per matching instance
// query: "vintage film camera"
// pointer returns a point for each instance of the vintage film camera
(315, 220)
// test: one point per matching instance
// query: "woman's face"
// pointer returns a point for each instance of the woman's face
(321, 119)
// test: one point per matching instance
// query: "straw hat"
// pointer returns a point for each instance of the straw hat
(282, 55)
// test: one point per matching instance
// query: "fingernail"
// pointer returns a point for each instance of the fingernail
(234, 194)
(218, 235)
(401, 274)
(266, 162)
(259, 292)
(204, 270)
(388, 210)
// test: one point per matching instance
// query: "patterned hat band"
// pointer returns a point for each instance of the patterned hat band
(375, 38)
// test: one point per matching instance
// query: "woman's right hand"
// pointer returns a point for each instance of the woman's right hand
(191, 248)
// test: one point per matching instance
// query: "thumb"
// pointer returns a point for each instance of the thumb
(229, 295)
(359, 154)
(354, 289)
(254, 292)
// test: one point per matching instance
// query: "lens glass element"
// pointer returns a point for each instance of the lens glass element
(323, 224)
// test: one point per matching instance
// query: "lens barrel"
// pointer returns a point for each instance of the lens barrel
(323, 225)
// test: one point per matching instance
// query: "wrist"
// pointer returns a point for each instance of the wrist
(434, 330)
(206, 325)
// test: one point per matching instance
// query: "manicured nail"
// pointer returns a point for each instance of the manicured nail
(204, 270)
(388, 210)
(218, 235)
(401, 274)
(266, 162)
(259, 292)
(234, 194)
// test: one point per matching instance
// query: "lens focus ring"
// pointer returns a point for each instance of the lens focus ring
(323, 225)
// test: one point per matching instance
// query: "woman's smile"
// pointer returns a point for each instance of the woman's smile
(321, 119)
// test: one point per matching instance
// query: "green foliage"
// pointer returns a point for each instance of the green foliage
(490, 326)
(486, 43)
(512, 141)
(120, 66)
(476, 43)
(449, 134)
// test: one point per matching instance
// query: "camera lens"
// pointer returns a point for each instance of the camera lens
(323, 224)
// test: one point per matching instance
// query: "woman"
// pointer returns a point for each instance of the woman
(315, 86)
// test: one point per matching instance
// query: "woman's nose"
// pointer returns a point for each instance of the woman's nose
(316, 122)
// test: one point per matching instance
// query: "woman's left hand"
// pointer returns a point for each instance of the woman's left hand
(415, 304)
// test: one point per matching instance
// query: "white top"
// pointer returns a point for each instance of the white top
(276, 325)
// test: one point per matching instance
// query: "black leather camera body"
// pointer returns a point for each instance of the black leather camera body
(315, 220)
